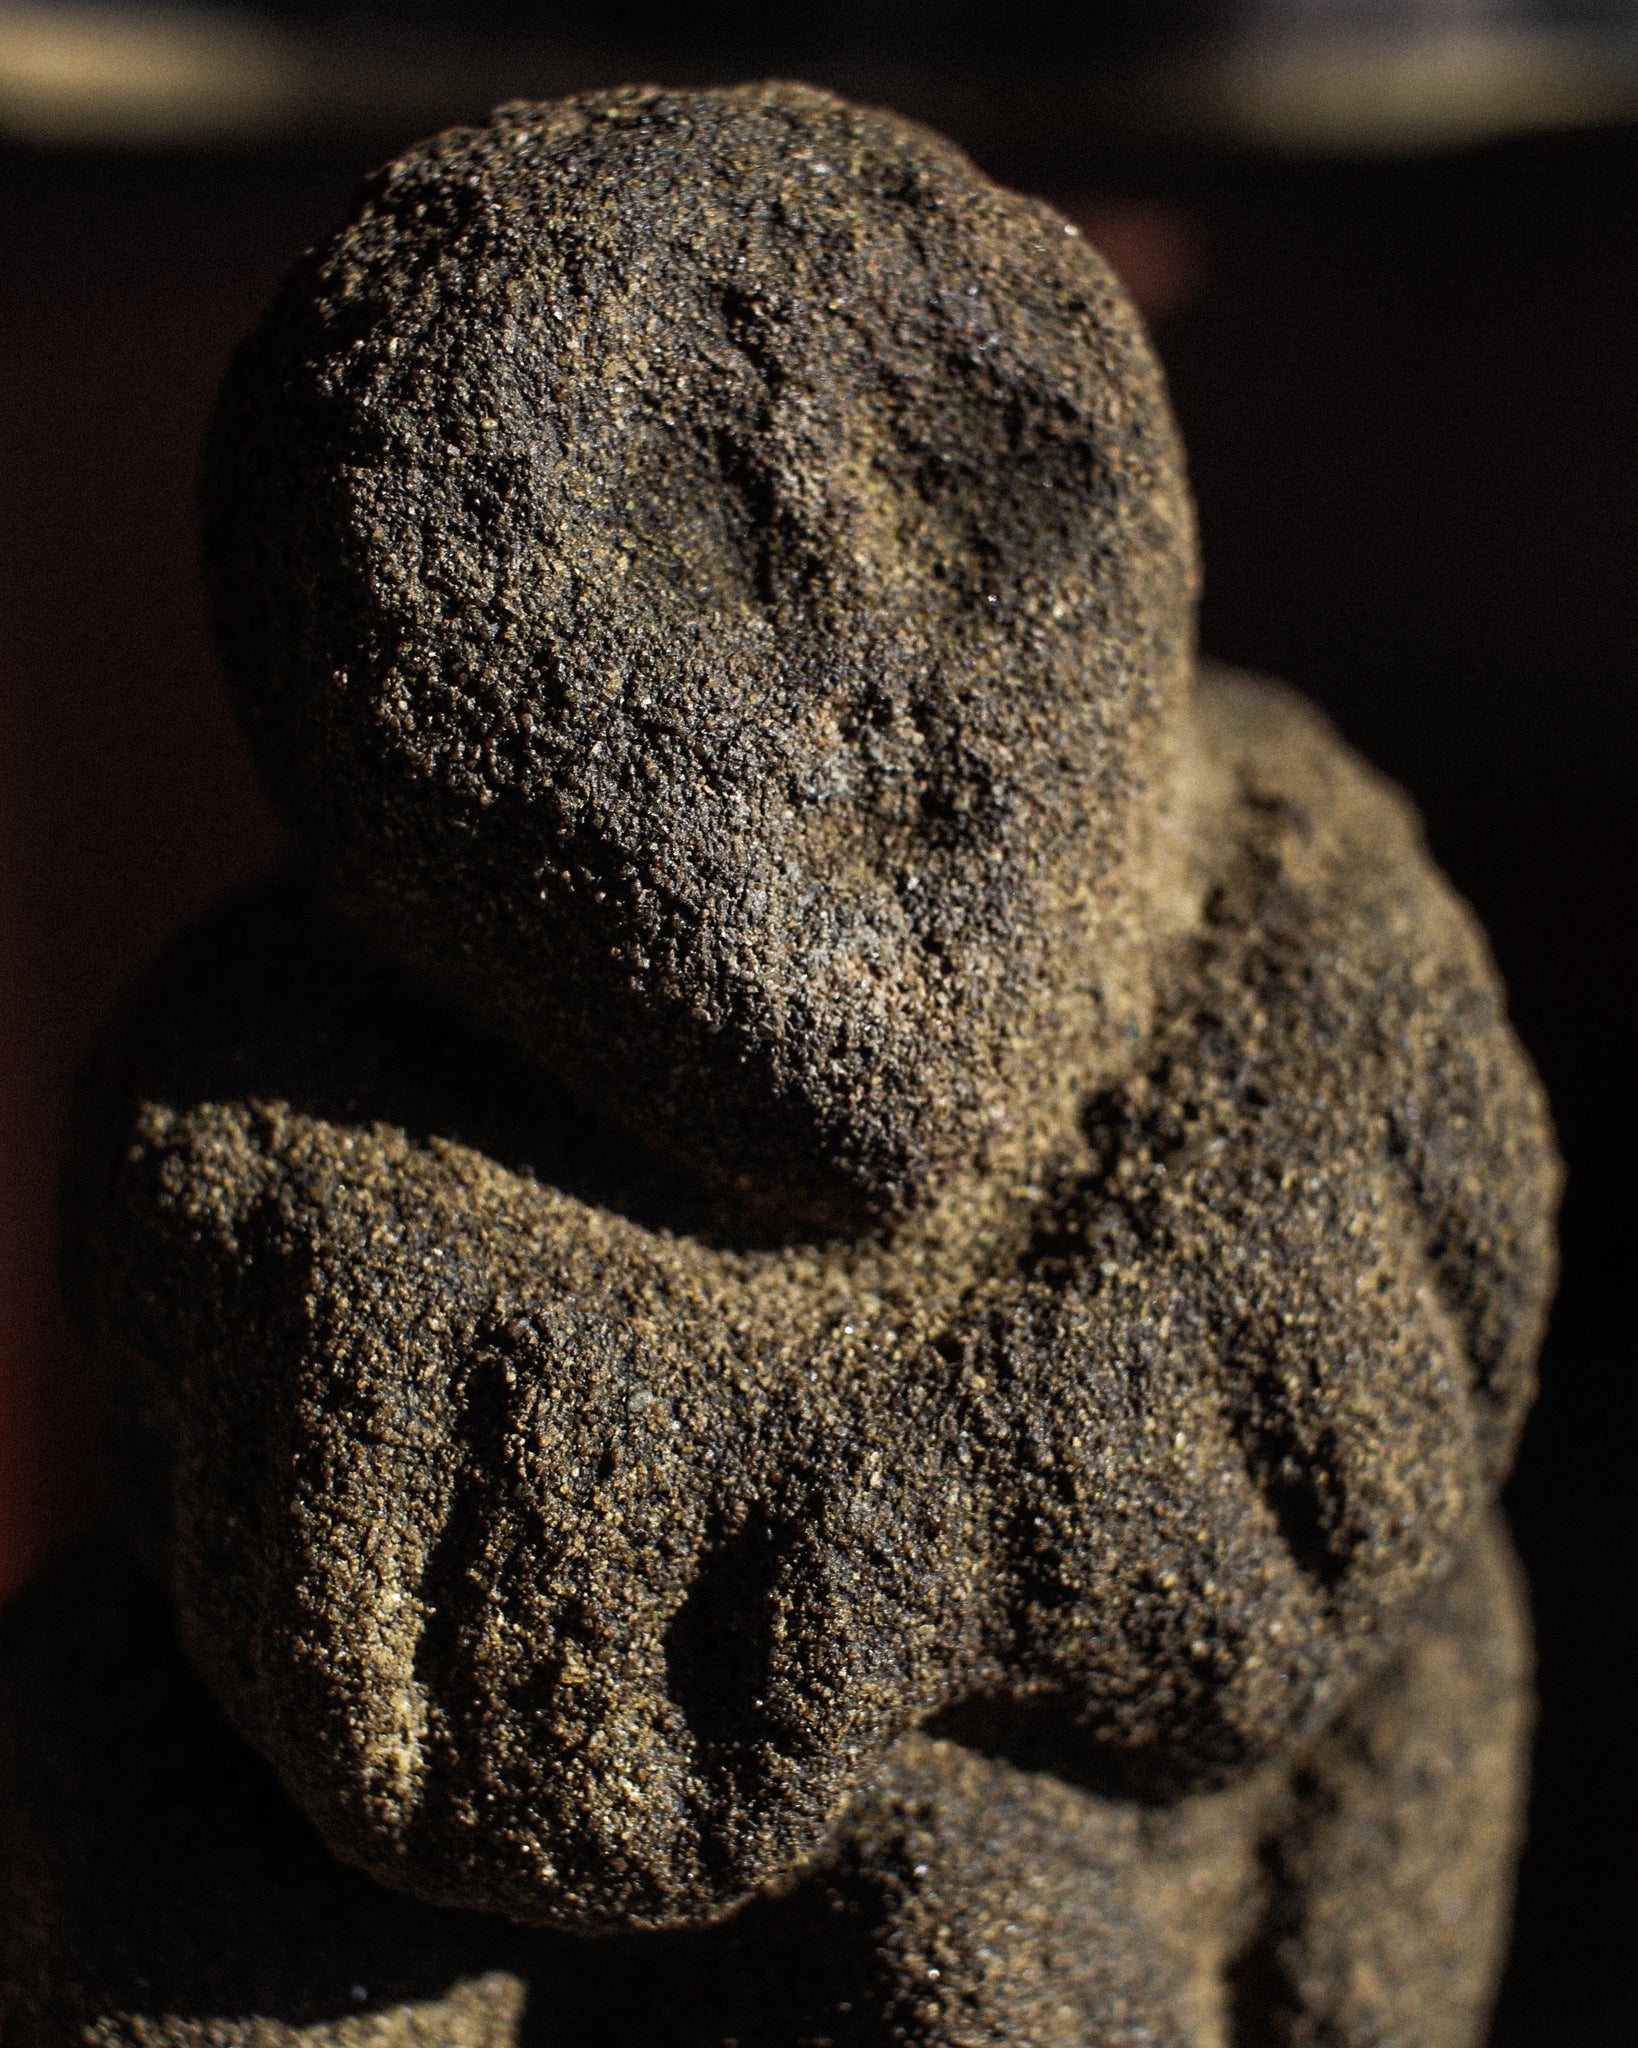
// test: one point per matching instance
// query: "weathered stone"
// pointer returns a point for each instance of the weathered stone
(709, 576)
(831, 1308)
(156, 1888)
(573, 1560)
(158, 1892)
(1391, 1868)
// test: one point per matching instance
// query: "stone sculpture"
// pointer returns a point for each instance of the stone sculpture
(816, 1334)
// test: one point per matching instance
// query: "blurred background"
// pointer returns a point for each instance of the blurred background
(1389, 254)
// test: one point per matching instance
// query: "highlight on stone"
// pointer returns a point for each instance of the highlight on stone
(811, 1340)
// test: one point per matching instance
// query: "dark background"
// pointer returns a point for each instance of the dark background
(1410, 393)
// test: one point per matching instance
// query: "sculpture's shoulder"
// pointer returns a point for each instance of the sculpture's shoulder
(1322, 904)
(1279, 794)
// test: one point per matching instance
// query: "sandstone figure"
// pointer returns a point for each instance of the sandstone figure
(816, 1332)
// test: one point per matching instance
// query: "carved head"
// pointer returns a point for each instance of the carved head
(709, 577)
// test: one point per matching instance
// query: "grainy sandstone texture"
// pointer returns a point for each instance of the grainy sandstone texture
(159, 1892)
(816, 1332)
(575, 1564)
(711, 577)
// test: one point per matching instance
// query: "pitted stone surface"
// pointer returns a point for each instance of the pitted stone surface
(710, 578)
(156, 1888)
(158, 1892)
(818, 1332)
(575, 1559)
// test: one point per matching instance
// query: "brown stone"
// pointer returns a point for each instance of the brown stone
(573, 1559)
(709, 576)
(827, 1307)
(159, 1892)
(156, 1888)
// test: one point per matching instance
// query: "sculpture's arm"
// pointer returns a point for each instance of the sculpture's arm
(547, 1570)
(665, 1569)
(1266, 1360)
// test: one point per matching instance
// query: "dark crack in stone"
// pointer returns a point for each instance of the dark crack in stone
(710, 578)
(573, 1557)
(158, 1891)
